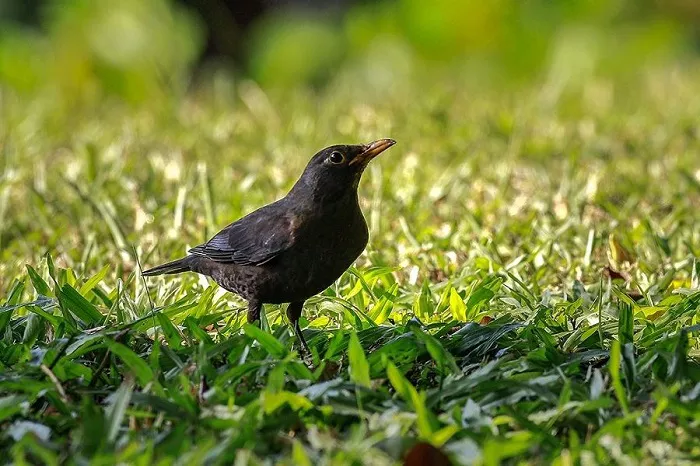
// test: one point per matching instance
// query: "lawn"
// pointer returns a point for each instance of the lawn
(530, 293)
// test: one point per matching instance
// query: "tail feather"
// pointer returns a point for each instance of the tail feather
(178, 266)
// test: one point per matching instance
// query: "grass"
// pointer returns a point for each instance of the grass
(530, 294)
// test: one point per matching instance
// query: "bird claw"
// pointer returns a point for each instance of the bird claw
(305, 353)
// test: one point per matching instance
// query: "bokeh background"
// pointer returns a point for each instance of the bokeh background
(134, 49)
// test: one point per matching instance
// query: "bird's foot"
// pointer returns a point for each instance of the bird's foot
(305, 353)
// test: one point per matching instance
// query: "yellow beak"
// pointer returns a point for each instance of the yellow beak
(372, 150)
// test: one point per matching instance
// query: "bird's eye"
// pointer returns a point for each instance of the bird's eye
(336, 158)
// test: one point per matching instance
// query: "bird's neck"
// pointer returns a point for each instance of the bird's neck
(322, 197)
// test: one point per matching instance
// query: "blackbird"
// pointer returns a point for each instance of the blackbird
(296, 247)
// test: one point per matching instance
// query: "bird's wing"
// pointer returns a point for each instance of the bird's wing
(255, 239)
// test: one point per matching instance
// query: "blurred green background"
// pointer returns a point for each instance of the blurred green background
(139, 49)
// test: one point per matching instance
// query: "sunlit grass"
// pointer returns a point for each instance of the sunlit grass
(514, 242)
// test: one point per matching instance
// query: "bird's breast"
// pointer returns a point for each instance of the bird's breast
(338, 240)
(330, 246)
(324, 248)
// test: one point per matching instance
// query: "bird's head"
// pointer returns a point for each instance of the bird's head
(335, 171)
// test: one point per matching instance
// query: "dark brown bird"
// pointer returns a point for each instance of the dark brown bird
(296, 247)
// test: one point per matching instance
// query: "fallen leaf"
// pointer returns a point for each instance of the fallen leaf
(485, 320)
(424, 454)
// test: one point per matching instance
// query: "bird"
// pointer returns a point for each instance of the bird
(295, 247)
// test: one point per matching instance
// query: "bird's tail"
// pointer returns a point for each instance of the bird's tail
(178, 266)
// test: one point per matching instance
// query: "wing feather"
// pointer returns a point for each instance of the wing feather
(255, 239)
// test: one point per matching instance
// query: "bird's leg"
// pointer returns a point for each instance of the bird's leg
(254, 308)
(293, 314)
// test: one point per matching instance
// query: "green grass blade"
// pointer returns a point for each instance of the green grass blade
(267, 341)
(117, 409)
(139, 367)
(614, 370)
(359, 368)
